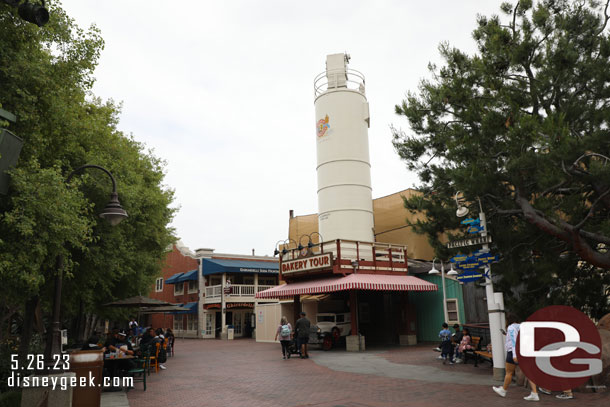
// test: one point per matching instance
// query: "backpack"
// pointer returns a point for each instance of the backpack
(285, 331)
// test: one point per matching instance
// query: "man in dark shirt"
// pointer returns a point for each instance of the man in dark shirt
(302, 328)
(456, 338)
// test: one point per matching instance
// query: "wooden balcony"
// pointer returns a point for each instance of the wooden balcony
(346, 256)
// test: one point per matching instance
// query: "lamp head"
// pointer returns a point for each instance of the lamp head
(114, 212)
(461, 211)
(452, 272)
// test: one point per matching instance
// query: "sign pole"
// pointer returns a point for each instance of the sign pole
(494, 311)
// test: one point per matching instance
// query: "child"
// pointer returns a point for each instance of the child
(464, 344)
(445, 335)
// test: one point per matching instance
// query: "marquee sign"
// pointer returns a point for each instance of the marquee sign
(307, 264)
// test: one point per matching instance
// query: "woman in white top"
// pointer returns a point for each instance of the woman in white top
(511, 360)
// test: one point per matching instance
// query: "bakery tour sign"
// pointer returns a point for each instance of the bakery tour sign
(307, 264)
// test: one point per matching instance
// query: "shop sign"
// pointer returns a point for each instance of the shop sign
(307, 264)
(472, 241)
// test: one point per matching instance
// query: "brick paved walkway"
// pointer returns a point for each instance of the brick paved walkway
(245, 373)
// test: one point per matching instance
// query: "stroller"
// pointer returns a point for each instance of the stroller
(293, 349)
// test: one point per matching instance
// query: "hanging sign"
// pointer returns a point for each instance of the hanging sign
(472, 241)
(471, 222)
(469, 276)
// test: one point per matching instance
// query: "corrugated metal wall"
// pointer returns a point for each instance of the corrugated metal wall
(429, 307)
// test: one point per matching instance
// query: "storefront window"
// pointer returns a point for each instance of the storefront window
(191, 322)
(177, 322)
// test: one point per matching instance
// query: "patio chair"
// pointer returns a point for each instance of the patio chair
(138, 374)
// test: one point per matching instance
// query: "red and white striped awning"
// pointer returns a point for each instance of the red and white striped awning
(351, 282)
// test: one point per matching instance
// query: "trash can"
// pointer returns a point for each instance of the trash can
(85, 363)
(230, 332)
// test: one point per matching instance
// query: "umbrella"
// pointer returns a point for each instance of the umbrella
(138, 301)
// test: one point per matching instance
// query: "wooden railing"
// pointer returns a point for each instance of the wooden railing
(368, 255)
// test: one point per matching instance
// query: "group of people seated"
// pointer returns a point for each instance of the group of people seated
(131, 342)
(453, 344)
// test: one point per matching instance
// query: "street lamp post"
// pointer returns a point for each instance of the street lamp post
(493, 308)
(114, 214)
(452, 272)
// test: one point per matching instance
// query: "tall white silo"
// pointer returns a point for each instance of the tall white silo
(345, 205)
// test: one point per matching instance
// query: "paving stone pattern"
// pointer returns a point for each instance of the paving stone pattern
(245, 373)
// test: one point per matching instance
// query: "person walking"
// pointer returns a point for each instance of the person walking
(284, 331)
(302, 328)
(511, 360)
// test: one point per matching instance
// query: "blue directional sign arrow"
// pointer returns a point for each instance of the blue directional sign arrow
(475, 229)
(470, 276)
(470, 221)
(459, 258)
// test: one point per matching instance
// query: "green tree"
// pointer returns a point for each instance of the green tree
(523, 124)
(46, 76)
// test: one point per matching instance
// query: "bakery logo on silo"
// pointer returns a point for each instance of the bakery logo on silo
(559, 348)
(322, 126)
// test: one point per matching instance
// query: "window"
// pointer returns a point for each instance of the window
(177, 322)
(191, 322)
(452, 311)
(192, 287)
(179, 289)
(340, 318)
(159, 285)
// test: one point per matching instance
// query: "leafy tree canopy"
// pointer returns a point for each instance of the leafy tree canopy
(46, 76)
(523, 124)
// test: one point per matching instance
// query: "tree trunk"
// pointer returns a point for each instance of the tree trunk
(28, 327)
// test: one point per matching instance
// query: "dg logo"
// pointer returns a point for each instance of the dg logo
(559, 348)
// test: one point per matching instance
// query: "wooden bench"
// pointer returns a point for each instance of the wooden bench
(475, 342)
(484, 355)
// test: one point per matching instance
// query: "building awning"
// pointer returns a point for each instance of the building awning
(219, 266)
(375, 282)
(192, 308)
(173, 279)
(188, 276)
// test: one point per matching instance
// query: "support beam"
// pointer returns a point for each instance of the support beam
(353, 307)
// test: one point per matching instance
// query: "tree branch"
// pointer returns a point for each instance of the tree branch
(591, 210)
(567, 233)
(606, 18)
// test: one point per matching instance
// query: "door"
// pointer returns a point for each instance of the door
(209, 323)
(237, 323)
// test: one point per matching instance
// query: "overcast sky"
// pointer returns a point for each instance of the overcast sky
(223, 91)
